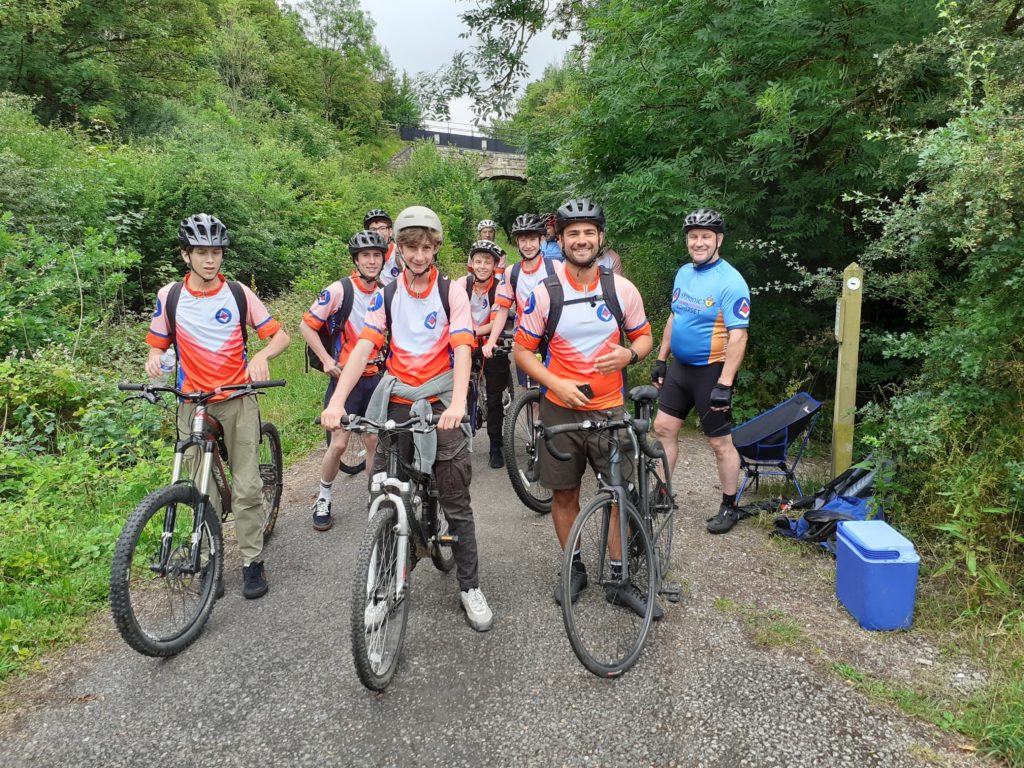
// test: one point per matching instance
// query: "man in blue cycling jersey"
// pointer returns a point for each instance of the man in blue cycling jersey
(706, 333)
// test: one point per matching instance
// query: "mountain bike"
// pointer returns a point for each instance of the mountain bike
(353, 460)
(406, 524)
(169, 559)
(605, 634)
(521, 445)
(476, 404)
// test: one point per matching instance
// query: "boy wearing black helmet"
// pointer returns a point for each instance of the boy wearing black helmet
(706, 333)
(489, 303)
(377, 220)
(208, 337)
(367, 249)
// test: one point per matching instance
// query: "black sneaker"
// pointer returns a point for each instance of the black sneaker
(726, 518)
(497, 460)
(254, 583)
(577, 582)
(322, 515)
(631, 597)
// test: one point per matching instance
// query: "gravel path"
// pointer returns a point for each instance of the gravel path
(737, 674)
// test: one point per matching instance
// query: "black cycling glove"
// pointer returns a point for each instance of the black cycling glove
(721, 397)
(659, 371)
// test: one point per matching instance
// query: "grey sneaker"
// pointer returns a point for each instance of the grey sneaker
(478, 613)
(322, 520)
(726, 518)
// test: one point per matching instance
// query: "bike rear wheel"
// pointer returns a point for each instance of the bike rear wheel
(272, 475)
(379, 616)
(607, 637)
(522, 450)
(353, 460)
(160, 607)
(661, 513)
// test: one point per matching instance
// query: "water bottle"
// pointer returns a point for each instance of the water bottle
(168, 360)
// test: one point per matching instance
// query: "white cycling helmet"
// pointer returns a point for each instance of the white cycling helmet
(485, 224)
(418, 216)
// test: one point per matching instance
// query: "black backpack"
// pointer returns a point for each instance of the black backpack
(333, 328)
(236, 290)
(557, 298)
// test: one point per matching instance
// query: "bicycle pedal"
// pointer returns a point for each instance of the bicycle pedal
(447, 540)
(672, 592)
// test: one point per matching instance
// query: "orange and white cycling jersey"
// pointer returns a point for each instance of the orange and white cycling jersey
(391, 268)
(526, 281)
(329, 302)
(481, 307)
(586, 331)
(209, 338)
(422, 338)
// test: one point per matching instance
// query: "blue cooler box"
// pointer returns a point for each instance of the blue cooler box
(876, 574)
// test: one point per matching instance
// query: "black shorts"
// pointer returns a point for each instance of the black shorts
(689, 386)
(358, 398)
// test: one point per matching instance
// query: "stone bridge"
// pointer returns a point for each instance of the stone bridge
(495, 158)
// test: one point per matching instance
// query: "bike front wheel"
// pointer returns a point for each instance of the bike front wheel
(522, 449)
(353, 460)
(379, 614)
(271, 475)
(160, 596)
(606, 634)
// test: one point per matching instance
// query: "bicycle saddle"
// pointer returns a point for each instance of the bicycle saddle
(645, 392)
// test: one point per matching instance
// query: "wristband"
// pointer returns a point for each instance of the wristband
(634, 358)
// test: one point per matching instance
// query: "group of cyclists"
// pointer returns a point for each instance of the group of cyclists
(396, 331)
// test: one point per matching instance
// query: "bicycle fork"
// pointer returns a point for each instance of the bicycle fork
(395, 491)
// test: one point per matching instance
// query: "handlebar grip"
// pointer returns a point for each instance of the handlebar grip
(267, 384)
(550, 432)
(125, 387)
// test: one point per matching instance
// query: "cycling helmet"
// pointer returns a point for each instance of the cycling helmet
(202, 229)
(527, 224)
(366, 239)
(489, 247)
(418, 216)
(485, 224)
(704, 218)
(579, 209)
(376, 213)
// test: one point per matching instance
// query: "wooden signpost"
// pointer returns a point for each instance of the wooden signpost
(848, 335)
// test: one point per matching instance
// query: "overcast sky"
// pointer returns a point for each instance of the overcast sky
(421, 35)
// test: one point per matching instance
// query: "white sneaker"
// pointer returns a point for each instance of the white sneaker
(374, 614)
(478, 613)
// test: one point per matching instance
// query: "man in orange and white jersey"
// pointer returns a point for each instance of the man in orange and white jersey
(207, 335)
(583, 373)
(430, 326)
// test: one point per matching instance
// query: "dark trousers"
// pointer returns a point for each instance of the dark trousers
(453, 472)
(497, 373)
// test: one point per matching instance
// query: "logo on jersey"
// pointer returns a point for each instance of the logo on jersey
(394, 271)
(431, 321)
(603, 313)
(531, 304)
(223, 316)
(377, 301)
(709, 302)
(324, 298)
(675, 295)
(741, 309)
(159, 309)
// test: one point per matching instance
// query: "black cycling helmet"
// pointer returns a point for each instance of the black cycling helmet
(527, 224)
(203, 230)
(366, 239)
(488, 247)
(376, 213)
(704, 218)
(579, 209)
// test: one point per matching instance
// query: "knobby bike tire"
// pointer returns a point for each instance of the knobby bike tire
(521, 448)
(441, 555)
(161, 615)
(378, 634)
(353, 460)
(271, 475)
(607, 638)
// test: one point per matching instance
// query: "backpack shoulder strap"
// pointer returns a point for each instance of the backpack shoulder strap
(549, 265)
(513, 276)
(171, 308)
(556, 296)
(443, 289)
(243, 310)
(389, 296)
(347, 298)
(470, 280)
(611, 298)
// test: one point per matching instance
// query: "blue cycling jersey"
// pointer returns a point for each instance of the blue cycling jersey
(707, 302)
(550, 249)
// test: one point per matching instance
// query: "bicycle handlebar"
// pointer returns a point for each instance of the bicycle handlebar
(198, 396)
(639, 427)
(356, 423)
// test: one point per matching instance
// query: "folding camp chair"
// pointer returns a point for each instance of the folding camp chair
(765, 441)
